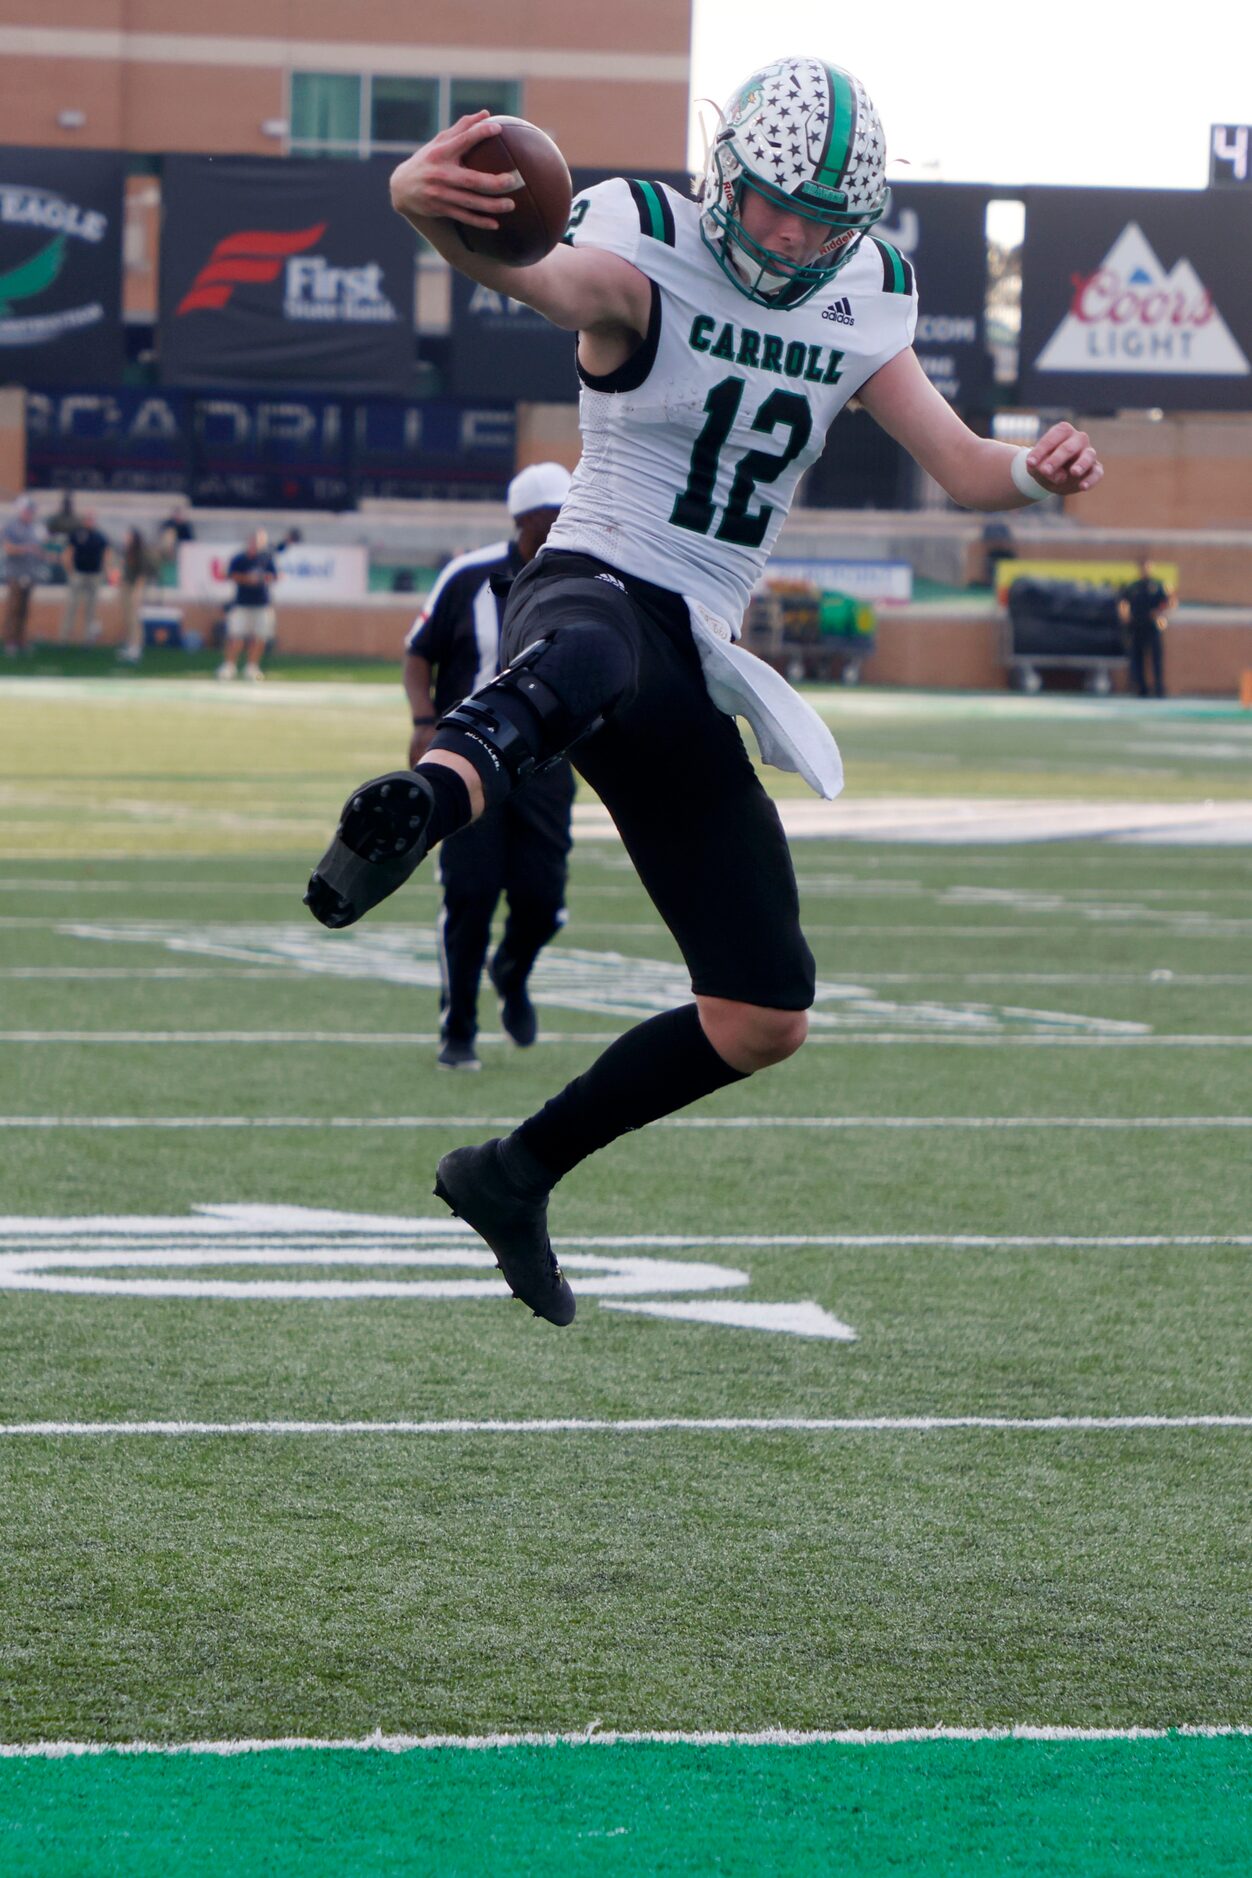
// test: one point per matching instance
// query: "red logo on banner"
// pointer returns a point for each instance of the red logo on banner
(252, 254)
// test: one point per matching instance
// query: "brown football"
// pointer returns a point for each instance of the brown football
(540, 213)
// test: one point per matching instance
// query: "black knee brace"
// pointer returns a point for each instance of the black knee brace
(514, 727)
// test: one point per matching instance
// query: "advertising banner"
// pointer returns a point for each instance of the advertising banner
(1137, 299)
(304, 572)
(238, 449)
(864, 580)
(286, 271)
(942, 229)
(502, 349)
(60, 265)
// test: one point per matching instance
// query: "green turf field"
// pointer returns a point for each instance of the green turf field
(909, 1388)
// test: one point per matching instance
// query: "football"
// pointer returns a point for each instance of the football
(541, 208)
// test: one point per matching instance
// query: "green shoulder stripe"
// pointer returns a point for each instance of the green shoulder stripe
(656, 218)
(897, 273)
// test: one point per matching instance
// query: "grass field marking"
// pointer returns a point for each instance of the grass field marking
(573, 978)
(242, 1222)
(25, 1233)
(144, 972)
(47, 1262)
(675, 1424)
(31, 884)
(699, 1123)
(1156, 977)
(1102, 912)
(593, 1736)
(48, 1269)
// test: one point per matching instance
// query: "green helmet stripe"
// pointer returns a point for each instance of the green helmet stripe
(842, 123)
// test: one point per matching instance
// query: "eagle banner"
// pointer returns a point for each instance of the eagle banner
(60, 265)
(284, 270)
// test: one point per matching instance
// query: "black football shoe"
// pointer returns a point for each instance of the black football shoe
(517, 1013)
(473, 1182)
(379, 842)
(456, 1054)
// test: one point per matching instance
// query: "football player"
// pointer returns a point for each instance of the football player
(718, 339)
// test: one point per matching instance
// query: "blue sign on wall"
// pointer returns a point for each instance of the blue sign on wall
(234, 448)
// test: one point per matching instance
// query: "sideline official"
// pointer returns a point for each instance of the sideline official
(519, 849)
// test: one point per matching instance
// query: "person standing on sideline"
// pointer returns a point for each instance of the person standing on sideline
(139, 566)
(1142, 607)
(23, 541)
(250, 618)
(519, 849)
(64, 519)
(714, 356)
(88, 560)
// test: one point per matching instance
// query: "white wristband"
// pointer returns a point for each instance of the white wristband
(1024, 481)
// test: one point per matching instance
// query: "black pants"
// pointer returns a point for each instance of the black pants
(1147, 640)
(519, 849)
(673, 773)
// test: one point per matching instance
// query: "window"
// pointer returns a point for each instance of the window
(403, 111)
(325, 112)
(500, 96)
(351, 114)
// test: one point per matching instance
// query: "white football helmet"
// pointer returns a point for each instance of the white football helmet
(805, 135)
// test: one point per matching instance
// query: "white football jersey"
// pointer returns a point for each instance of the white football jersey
(692, 450)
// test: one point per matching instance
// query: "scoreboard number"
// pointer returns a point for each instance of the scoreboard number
(1230, 155)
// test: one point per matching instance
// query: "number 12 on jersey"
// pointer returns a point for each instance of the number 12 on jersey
(694, 508)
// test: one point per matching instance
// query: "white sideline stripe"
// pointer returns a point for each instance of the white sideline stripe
(595, 1737)
(26, 1233)
(700, 1122)
(726, 1424)
(274, 973)
(416, 1038)
(148, 971)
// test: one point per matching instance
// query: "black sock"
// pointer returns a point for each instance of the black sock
(657, 1067)
(452, 800)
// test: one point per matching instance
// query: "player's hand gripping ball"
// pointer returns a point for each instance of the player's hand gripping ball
(541, 206)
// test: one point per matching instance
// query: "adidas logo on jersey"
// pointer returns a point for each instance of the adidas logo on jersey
(613, 581)
(841, 310)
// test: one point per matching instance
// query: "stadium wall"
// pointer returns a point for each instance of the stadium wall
(942, 647)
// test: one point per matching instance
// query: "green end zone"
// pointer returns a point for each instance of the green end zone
(1171, 1805)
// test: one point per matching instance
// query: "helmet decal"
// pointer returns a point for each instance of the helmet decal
(806, 136)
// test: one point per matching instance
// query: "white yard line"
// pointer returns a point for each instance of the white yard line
(1158, 978)
(577, 1425)
(144, 972)
(110, 1233)
(1029, 1123)
(594, 1736)
(24, 884)
(1203, 926)
(844, 1039)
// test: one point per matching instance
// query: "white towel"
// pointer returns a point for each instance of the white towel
(790, 733)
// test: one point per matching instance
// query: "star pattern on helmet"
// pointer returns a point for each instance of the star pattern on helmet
(783, 125)
(776, 127)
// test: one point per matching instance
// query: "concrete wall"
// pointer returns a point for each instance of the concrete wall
(947, 650)
(1178, 472)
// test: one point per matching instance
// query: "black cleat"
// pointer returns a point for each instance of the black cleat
(474, 1184)
(379, 842)
(455, 1055)
(517, 1013)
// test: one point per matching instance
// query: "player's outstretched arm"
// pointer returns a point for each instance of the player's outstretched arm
(975, 471)
(582, 290)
